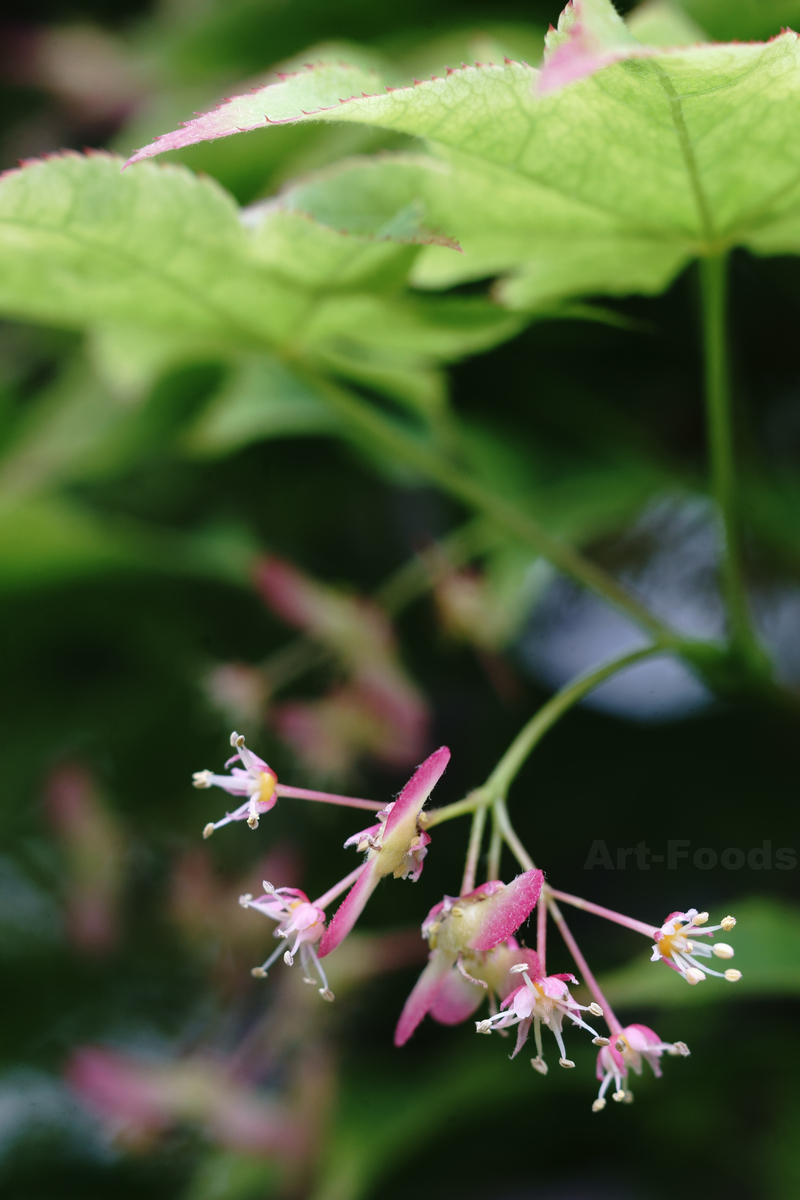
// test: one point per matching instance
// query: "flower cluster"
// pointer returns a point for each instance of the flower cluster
(474, 953)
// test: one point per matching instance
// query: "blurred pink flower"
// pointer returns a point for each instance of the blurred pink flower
(395, 846)
(379, 711)
(634, 1043)
(462, 933)
(138, 1100)
(94, 848)
(254, 779)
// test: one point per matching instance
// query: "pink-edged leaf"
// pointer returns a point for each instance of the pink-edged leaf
(503, 913)
(409, 803)
(316, 89)
(350, 909)
(423, 994)
(456, 999)
(590, 35)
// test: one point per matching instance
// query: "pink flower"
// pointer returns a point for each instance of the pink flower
(395, 846)
(254, 779)
(543, 999)
(632, 1044)
(471, 947)
(676, 944)
(297, 918)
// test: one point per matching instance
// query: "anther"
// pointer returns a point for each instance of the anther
(723, 951)
(732, 975)
(288, 958)
(201, 779)
(539, 1065)
(268, 887)
(245, 899)
(618, 1096)
(700, 919)
(208, 830)
(518, 968)
(237, 740)
(326, 994)
(456, 911)
(313, 982)
(728, 923)
(483, 1027)
(620, 1044)
(595, 1009)
(600, 1041)
(627, 1097)
(253, 822)
(566, 1062)
(695, 975)
(258, 973)
(682, 1049)
(599, 1104)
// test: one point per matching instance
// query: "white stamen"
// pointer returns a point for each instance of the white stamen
(595, 1009)
(539, 1065)
(208, 830)
(620, 1044)
(288, 959)
(727, 923)
(566, 1062)
(201, 779)
(700, 919)
(618, 1096)
(600, 1041)
(732, 975)
(246, 899)
(326, 994)
(483, 1026)
(599, 1104)
(627, 1097)
(695, 975)
(721, 950)
(258, 973)
(268, 887)
(681, 1049)
(237, 741)
(518, 968)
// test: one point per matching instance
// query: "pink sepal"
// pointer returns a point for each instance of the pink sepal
(422, 996)
(351, 908)
(409, 803)
(504, 912)
(456, 999)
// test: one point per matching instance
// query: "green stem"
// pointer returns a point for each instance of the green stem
(510, 835)
(367, 419)
(473, 853)
(509, 765)
(530, 735)
(713, 280)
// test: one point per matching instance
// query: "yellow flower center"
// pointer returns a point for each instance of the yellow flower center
(267, 787)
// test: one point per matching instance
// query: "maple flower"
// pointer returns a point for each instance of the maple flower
(542, 999)
(395, 846)
(631, 1045)
(471, 946)
(254, 779)
(676, 943)
(299, 919)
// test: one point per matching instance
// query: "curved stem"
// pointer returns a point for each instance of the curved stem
(588, 978)
(713, 283)
(295, 793)
(543, 719)
(473, 853)
(510, 836)
(368, 420)
(509, 765)
(495, 851)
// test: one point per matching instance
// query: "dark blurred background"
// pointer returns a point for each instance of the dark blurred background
(119, 927)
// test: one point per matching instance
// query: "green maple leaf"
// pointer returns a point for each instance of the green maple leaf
(606, 172)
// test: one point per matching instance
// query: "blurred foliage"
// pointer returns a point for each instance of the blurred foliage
(146, 467)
